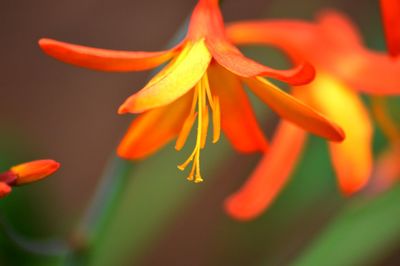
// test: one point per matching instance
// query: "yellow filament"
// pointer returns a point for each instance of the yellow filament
(202, 94)
(188, 160)
(384, 120)
(196, 164)
(208, 91)
(216, 120)
(204, 127)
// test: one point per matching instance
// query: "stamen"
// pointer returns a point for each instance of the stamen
(188, 160)
(199, 131)
(190, 177)
(204, 129)
(208, 91)
(186, 128)
(202, 95)
(216, 120)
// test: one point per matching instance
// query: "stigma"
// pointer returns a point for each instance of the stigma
(203, 100)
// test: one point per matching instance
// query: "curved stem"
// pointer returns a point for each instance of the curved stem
(100, 210)
(50, 247)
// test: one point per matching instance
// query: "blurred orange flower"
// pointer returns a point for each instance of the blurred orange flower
(344, 67)
(387, 170)
(205, 72)
(26, 173)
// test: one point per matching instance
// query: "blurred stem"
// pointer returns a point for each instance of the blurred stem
(384, 120)
(100, 211)
(51, 247)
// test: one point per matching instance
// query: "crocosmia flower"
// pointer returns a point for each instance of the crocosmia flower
(202, 81)
(387, 171)
(344, 67)
(26, 173)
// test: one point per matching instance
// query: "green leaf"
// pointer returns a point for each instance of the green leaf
(363, 232)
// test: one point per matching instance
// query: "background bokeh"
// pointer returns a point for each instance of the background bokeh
(52, 110)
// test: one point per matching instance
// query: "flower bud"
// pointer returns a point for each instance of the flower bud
(4, 189)
(33, 171)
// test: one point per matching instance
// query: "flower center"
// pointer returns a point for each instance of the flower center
(201, 100)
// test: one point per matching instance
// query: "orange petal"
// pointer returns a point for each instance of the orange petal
(153, 129)
(102, 59)
(207, 22)
(391, 21)
(374, 73)
(174, 81)
(210, 2)
(4, 189)
(363, 69)
(232, 59)
(322, 43)
(270, 176)
(295, 37)
(34, 171)
(280, 32)
(333, 45)
(294, 110)
(352, 159)
(185, 131)
(237, 117)
(339, 27)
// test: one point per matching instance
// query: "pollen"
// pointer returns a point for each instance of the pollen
(203, 100)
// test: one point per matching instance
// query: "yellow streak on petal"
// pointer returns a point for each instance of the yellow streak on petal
(352, 158)
(174, 81)
(294, 110)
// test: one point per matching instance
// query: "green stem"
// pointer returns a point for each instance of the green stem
(51, 247)
(100, 211)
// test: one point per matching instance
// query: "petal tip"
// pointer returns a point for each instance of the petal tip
(46, 44)
(126, 153)
(123, 110)
(238, 210)
(339, 134)
(4, 189)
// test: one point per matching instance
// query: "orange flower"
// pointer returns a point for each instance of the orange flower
(26, 173)
(205, 73)
(387, 170)
(343, 66)
(390, 10)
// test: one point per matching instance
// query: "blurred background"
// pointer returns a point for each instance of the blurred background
(52, 110)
